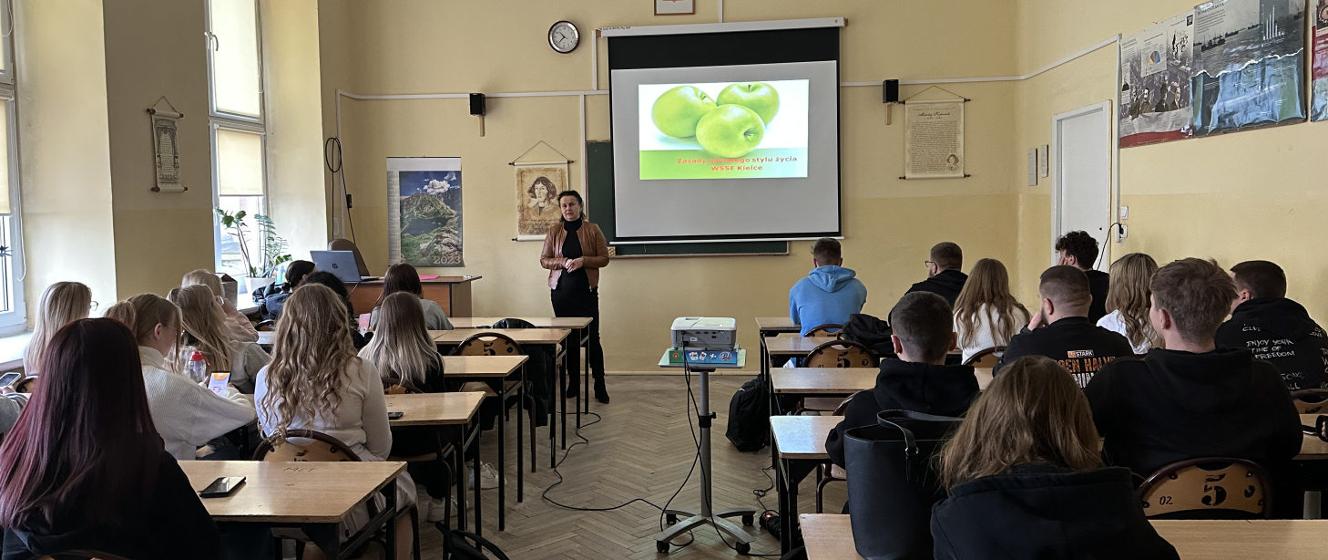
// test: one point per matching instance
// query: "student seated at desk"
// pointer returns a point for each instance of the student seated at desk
(403, 277)
(1078, 249)
(408, 362)
(829, 293)
(1025, 479)
(274, 296)
(237, 324)
(1062, 331)
(1193, 399)
(84, 468)
(1128, 300)
(62, 303)
(316, 382)
(918, 380)
(1275, 328)
(986, 314)
(338, 287)
(944, 277)
(187, 415)
(205, 329)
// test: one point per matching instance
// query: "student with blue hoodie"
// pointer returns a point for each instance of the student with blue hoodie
(830, 293)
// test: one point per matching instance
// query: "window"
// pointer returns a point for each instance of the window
(235, 71)
(13, 312)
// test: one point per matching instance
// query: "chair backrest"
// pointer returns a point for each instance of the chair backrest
(513, 323)
(828, 329)
(348, 245)
(840, 354)
(843, 406)
(26, 385)
(487, 344)
(266, 326)
(985, 358)
(1207, 488)
(1310, 401)
(307, 445)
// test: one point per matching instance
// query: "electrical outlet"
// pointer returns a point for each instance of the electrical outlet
(1121, 232)
(1124, 213)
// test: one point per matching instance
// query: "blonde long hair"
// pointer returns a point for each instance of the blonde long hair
(401, 347)
(62, 303)
(202, 277)
(1033, 412)
(202, 319)
(1129, 293)
(311, 354)
(142, 313)
(988, 284)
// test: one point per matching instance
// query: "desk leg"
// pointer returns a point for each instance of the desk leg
(520, 429)
(781, 489)
(502, 456)
(575, 373)
(460, 473)
(392, 518)
(567, 374)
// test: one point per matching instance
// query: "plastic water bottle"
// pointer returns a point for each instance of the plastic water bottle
(197, 368)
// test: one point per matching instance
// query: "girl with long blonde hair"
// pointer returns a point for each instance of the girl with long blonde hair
(1128, 299)
(1024, 475)
(316, 382)
(237, 325)
(62, 303)
(205, 329)
(986, 315)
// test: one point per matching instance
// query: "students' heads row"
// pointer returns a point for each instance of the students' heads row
(61, 304)
(943, 256)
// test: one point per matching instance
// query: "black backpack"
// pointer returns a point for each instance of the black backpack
(869, 331)
(749, 416)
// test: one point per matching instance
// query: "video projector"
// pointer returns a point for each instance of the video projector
(705, 333)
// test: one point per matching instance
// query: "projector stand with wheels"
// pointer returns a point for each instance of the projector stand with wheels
(707, 516)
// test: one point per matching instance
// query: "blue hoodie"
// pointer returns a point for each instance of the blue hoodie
(828, 295)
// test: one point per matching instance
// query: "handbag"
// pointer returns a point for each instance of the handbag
(893, 483)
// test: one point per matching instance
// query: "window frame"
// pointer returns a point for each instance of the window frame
(217, 233)
(15, 320)
(210, 39)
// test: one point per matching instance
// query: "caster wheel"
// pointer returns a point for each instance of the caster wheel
(662, 547)
(747, 520)
(744, 548)
(671, 519)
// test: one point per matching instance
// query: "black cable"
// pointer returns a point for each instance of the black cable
(332, 151)
(1103, 253)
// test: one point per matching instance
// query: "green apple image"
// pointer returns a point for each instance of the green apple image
(677, 110)
(757, 96)
(730, 131)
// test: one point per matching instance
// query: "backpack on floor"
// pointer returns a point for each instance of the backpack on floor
(869, 331)
(749, 416)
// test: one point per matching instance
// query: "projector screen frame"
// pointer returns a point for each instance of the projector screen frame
(748, 26)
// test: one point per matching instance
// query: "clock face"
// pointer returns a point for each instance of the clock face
(564, 37)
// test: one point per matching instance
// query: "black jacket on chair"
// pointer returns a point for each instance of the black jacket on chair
(938, 390)
(947, 284)
(1281, 332)
(1078, 345)
(1043, 511)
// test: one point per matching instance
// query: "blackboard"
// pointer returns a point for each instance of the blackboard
(599, 204)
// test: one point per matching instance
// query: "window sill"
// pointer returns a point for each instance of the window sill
(12, 348)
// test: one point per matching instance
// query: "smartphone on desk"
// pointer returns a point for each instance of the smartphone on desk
(395, 414)
(222, 486)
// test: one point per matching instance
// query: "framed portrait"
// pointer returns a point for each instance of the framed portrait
(537, 188)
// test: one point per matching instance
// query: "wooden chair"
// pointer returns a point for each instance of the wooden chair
(495, 344)
(348, 245)
(828, 329)
(830, 472)
(1207, 488)
(266, 326)
(1310, 401)
(26, 385)
(836, 354)
(986, 358)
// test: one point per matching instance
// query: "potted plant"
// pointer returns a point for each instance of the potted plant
(261, 271)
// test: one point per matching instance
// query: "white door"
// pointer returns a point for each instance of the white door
(1081, 175)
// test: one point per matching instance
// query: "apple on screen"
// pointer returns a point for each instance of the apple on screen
(730, 131)
(677, 111)
(757, 96)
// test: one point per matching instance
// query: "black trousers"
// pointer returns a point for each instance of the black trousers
(570, 302)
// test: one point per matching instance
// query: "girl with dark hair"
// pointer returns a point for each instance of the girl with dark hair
(84, 467)
(404, 278)
(574, 252)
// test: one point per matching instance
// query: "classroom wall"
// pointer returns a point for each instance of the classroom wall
(65, 159)
(427, 47)
(1247, 195)
(155, 48)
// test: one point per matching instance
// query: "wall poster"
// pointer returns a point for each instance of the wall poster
(1319, 111)
(424, 211)
(537, 188)
(1249, 64)
(933, 139)
(1155, 83)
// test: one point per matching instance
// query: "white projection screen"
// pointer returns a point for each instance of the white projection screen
(725, 135)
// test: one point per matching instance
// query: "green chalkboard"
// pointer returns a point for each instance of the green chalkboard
(599, 167)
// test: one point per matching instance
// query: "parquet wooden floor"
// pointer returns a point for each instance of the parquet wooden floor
(642, 448)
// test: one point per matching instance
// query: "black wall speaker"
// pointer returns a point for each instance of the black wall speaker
(477, 104)
(889, 91)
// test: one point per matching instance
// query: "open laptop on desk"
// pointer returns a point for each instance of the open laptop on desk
(341, 264)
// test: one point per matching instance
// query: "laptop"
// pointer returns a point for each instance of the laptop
(339, 263)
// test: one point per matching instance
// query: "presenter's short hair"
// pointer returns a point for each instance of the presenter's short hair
(827, 250)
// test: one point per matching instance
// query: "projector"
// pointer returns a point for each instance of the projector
(705, 333)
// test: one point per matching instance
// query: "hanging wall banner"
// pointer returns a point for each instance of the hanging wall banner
(1320, 106)
(424, 211)
(933, 139)
(1155, 83)
(1249, 64)
(537, 188)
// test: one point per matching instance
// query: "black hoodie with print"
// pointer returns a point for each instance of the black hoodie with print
(1280, 331)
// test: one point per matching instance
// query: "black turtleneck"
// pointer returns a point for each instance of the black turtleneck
(576, 279)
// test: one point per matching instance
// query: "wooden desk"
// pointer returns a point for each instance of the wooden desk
(795, 439)
(446, 410)
(788, 345)
(805, 382)
(538, 337)
(830, 537)
(770, 326)
(451, 292)
(539, 322)
(313, 496)
(1311, 447)
(476, 367)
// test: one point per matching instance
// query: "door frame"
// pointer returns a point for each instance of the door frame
(1056, 153)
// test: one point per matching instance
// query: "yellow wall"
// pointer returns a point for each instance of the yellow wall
(1249, 195)
(888, 224)
(65, 162)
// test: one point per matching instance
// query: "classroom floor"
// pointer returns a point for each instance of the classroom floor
(641, 449)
